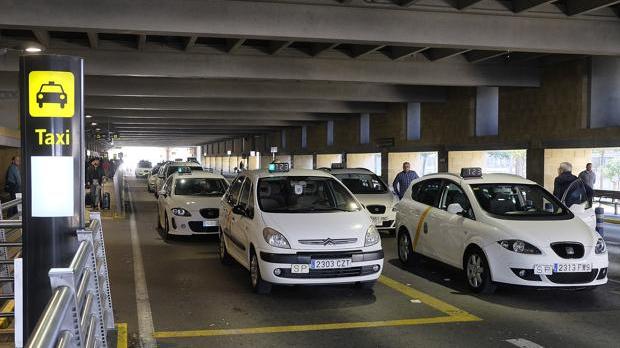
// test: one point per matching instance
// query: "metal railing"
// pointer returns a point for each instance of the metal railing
(608, 197)
(10, 248)
(79, 314)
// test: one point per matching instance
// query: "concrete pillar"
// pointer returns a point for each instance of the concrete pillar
(442, 160)
(536, 164)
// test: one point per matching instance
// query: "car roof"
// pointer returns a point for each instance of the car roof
(350, 171)
(196, 174)
(264, 173)
(489, 178)
(184, 163)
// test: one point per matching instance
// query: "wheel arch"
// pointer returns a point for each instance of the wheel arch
(474, 245)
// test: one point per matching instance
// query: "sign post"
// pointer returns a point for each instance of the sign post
(52, 137)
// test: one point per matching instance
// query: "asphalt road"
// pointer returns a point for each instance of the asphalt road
(188, 299)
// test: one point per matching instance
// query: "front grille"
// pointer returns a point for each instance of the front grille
(328, 241)
(573, 277)
(329, 273)
(210, 213)
(196, 226)
(602, 274)
(567, 250)
(376, 209)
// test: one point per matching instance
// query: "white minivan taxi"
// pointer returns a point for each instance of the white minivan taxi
(499, 228)
(298, 227)
(189, 202)
(373, 193)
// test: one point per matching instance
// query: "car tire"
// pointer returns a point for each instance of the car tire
(405, 248)
(477, 272)
(166, 230)
(256, 281)
(225, 258)
(367, 285)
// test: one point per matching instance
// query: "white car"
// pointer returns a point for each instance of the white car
(188, 203)
(143, 169)
(151, 179)
(498, 228)
(171, 167)
(374, 194)
(298, 227)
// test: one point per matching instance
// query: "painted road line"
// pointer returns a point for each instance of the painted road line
(121, 338)
(420, 223)
(612, 221)
(145, 317)
(453, 315)
(523, 343)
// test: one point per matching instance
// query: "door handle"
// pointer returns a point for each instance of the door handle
(425, 228)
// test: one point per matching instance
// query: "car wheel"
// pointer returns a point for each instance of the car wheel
(223, 252)
(367, 285)
(258, 284)
(166, 234)
(405, 248)
(478, 273)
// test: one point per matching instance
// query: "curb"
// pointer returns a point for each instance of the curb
(612, 221)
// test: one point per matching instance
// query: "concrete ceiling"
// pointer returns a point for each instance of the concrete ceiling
(160, 71)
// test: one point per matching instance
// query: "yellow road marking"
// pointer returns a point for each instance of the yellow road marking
(453, 315)
(420, 223)
(8, 307)
(121, 338)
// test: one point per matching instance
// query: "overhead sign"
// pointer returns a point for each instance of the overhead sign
(51, 94)
(274, 149)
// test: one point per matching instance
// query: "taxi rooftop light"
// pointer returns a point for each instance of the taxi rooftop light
(278, 167)
(184, 170)
(473, 172)
(337, 166)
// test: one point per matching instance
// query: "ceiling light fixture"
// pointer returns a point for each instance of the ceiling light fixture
(33, 49)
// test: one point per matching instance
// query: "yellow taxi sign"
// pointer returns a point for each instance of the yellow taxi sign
(51, 94)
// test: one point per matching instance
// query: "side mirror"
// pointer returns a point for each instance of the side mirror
(455, 208)
(238, 210)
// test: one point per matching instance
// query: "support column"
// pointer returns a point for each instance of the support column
(535, 165)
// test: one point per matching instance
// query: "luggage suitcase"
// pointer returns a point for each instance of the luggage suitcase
(105, 202)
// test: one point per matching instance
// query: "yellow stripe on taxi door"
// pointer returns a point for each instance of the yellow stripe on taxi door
(420, 223)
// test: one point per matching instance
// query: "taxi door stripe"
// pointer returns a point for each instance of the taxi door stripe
(420, 223)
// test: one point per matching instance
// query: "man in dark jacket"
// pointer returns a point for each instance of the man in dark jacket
(94, 180)
(13, 182)
(563, 180)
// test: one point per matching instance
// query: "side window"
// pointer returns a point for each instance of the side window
(168, 185)
(453, 193)
(233, 192)
(415, 189)
(244, 198)
(429, 191)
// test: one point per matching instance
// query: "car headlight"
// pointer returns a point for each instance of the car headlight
(519, 246)
(601, 247)
(275, 238)
(372, 236)
(180, 212)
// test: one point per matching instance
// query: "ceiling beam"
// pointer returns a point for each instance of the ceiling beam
(481, 56)
(181, 65)
(435, 54)
(320, 47)
(406, 3)
(43, 36)
(276, 47)
(233, 104)
(114, 122)
(400, 52)
(312, 22)
(575, 7)
(211, 115)
(358, 51)
(519, 6)
(141, 42)
(464, 4)
(93, 39)
(233, 44)
(190, 42)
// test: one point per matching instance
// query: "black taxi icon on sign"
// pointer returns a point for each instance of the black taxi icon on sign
(51, 93)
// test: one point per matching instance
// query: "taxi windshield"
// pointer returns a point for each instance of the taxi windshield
(359, 183)
(200, 187)
(304, 194)
(519, 202)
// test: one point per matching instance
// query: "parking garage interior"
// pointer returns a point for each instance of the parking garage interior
(509, 86)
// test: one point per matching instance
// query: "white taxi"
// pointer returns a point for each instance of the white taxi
(499, 228)
(373, 193)
(169, 168)
(298, 227)
(188, 203)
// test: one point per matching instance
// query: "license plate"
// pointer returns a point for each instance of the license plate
(377, 220)
(330, 263)
(300, 268)
(563, 268)
(209, 223)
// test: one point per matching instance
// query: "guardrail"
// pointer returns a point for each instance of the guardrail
(79, 313)
(10, 248)
(613, 196)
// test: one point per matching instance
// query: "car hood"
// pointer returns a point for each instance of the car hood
(543, 233)
(332, 225)
(387, 199)
(195, 203)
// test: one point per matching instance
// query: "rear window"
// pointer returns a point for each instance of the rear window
(427, 192)
(362, 183)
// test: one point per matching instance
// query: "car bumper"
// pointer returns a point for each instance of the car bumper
(388, 220)
(518, 269)
(191, 225)
(363, 267)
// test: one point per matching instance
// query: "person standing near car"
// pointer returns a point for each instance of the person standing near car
(94, 179)
(403, 180)
(588, 177)
(563, 180)
(13, 181)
